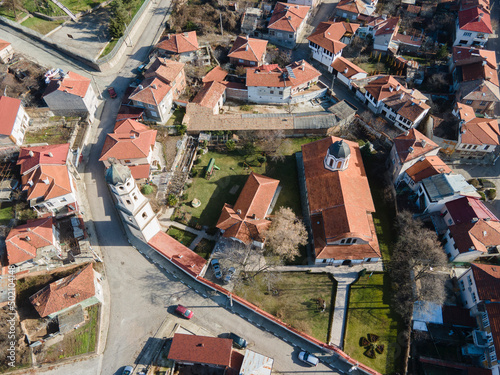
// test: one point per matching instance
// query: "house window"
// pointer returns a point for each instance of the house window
(240, 61)
(474, 298)
(469, 279)
(485, 147)
(330, 163)
(467, 34)
(348, 241)
(468, 102)
(280, 92)
(482, 103)
(339, 165)
(271, 32)
(150, 106)
(462, 285)
(135, 197)
(144, 215)
(252, 62)
(290, 36)
(62, 200)
(128, 201)
(127, 161)
(271, 92)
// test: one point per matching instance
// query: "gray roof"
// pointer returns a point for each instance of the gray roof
(343, 110)
(339, 149)
(444, 185)
(117, 173)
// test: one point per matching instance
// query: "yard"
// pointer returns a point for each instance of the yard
(226, 183)
(177, 116)
(294, 300)
(6, 213)
(53, 135)
(80, 341)
(41, 25)
(369, 312)
(182, 236)
(204, 248)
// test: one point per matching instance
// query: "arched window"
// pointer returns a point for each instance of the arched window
(330, 163)
(339, 165)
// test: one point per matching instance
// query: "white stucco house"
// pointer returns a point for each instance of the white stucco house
(13, 122)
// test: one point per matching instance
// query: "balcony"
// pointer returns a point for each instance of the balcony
(480, 338)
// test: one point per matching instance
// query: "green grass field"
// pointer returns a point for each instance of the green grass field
(369, 312)
(296, 300)
(41, 25)
(77, 6)
(109, 47)
(6, 213)
(182, 236)
(52, 135)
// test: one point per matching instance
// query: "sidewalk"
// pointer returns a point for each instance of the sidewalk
(200, 234)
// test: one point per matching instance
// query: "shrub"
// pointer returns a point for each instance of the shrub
(246, 107)
(372, 337)
(181, 129)
(147, 189)
(492, 193)
(474, 182)
(370, 353)
(483, 196)
(172, 200)
(230, 145)
(197, 161)
(363, 341)
(261, 159)
(379, 349)
(486, 183)
(194, 172)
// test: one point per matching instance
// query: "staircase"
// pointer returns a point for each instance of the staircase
(66, 10)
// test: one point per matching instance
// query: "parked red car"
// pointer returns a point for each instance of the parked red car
(112, 92)
(184, 311)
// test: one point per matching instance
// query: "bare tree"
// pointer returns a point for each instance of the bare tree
(14, 6)
(286, 234)
(270, 142)
(417, 253)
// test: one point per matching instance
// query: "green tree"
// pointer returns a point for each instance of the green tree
(230, 145)
(117, 23)
(172, 200)
(442, 53)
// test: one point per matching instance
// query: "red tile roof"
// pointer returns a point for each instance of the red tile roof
(420, 144)
(465, 112)
(210, 94)
(287, 17)
(151, 91)
(407, 107)
(23, 241)
(249, 49)
(352, 6)
(464, 209)
(430, 166)
(72, 83)
(389, 26)
(164, 69)
(480, 235)
(65, 292)
(201, 349)
(130, 140)
(216, 74)
(140, 171)
(44, 155)
(475, 19)
(9, 107)
(340, 203)
(411, 40)
(383, 87)
(329, 34)
(47, 182)
(177, 253)
(246, 219)
(3, 44)
(487, 278)
(483, 4)
(493, 310)
(480, 131)
(468, 55)
(346, 68)
(486, 69)
(482, 90)
(262, 77)
(179, 43)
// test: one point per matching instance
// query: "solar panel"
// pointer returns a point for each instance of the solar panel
(290, 72)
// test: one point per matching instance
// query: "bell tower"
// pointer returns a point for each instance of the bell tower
(337, 157)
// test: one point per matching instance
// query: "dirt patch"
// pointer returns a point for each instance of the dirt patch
(23, 357)
(23, 79)
(170, 150)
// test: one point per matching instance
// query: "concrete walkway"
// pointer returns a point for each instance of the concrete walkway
(345, 276)
(200, 234)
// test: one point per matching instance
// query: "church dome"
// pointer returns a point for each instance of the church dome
(339, 150)
(117, 173)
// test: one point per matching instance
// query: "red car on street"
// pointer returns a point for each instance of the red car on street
(112, 92)
(184, 311)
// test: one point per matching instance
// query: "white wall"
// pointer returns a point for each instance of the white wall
(469, 37)
(468, 289)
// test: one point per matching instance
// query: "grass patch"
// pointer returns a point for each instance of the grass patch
(182, 236)
(77, 6)
(177, 116)
(51, 135)
(6, 213)
(109, 47)
(41, 25)
(81, 341)
(369, 312)
(8, 13)
(204, 248)
(295, 301)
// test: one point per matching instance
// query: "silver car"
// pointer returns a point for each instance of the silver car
(128, 370)
(308, 358)
(229, 274)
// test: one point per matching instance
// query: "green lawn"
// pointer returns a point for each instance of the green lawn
(52, 135)
(109, 47)
(177, 116)
(204, 248)
(8, 13)
(295, 302)
(41, 25)
(182, 236)
(6, 213)
(369, 312)
(77, 6)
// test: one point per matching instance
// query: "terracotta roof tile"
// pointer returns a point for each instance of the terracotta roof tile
(140, 171)
(430, 166)
(164, 69)
(341, 64)
(179, 43)
(216, 74)
(464, 209)
(130, 140)
(72, 83)
(407, 107)
(340, 203)
(65, 292)
(23, 241)
(9, 107)
(482, 4)
(3, 44)
(480, 131)
(47, 182)
(465, 112)
(249, 49)
(201, 349)
(287, 17)
(151, 91)
(493, 310)
(468, 55)
(487, 278)
(421, 145)
(480, 71)
(480, 235)
(390, 26)
(42, 155)
(352, 6)
(482, 90)
(210, 94)
(329, 34)
(246, 220)
(260, 77)
(475, 19)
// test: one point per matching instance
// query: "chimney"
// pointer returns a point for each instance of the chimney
(30, 183)
(423, 142)
(402, 96)
(154, 86)
(31, 154)
(238, 212)
(46, 181)
(254, 216)
(484, 62)
(180, 256)
(398, 87)
(410, 150)
(132, 136)
(27, 238)
(346, 70)
(485, 233)
(76, 295)
(50, 155)
(475, 220)
(412, 92)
